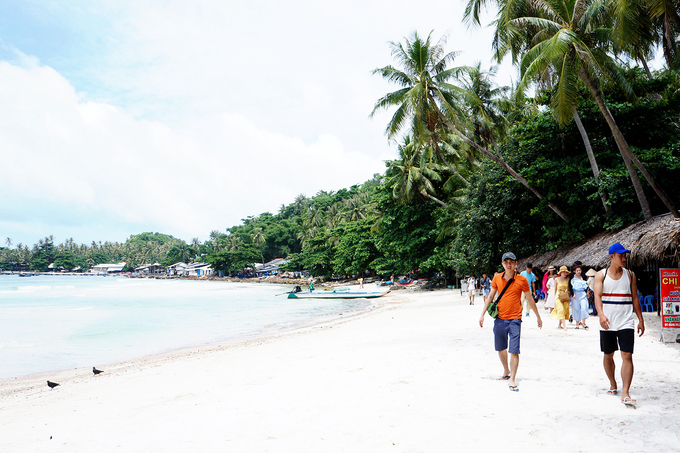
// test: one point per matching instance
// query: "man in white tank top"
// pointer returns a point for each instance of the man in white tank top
(616, 301)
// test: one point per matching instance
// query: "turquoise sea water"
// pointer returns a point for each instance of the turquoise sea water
(50, 323)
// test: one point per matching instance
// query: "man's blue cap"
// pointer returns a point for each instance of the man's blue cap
(509, 255)
(618, 248)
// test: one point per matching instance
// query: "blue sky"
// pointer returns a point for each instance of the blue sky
(185, 117)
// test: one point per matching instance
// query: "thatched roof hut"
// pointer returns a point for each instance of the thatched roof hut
(656, 241)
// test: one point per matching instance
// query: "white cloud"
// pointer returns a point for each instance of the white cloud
(184, 117)
(104, 163)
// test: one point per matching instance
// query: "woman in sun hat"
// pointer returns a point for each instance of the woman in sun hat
(591, 289)
(561, 311)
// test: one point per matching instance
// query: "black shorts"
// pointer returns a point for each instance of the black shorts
(612, 340)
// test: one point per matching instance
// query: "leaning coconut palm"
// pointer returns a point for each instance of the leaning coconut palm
(428, 104)
(517, 42)
(573, 38)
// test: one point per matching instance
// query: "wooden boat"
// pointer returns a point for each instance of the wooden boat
(337, 295)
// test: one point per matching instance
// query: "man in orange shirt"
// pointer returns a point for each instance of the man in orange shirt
(508, 324)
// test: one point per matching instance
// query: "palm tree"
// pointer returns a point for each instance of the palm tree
(430, 103)
(333, 216)
(356, 208)
(573, 38)
(412, 174)
(234, 243)
(259, 239)
(300, 203)
(184, 252)
(665, 15)
(484, 102)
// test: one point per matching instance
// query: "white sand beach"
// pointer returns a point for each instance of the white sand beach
(415, 375)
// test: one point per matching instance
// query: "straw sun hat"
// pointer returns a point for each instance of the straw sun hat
(563, 269)
(591, 273)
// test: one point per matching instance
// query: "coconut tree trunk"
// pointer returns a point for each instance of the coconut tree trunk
(644, 65)
(626, 153)
(425, 194)
(591, 157)
(506, 167)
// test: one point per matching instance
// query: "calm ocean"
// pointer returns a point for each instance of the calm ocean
(50, 323)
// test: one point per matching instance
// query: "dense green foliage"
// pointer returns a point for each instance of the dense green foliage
(369, 228)
(480, 168)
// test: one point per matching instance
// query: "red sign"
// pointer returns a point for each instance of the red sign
(669, 281)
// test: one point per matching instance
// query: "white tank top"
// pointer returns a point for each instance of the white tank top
(617, 302)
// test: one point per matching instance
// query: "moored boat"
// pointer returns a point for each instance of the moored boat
(337, 295)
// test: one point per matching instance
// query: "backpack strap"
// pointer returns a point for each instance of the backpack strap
(505, 288)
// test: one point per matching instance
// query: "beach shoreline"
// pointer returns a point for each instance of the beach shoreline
(417, 374)
(21, 385)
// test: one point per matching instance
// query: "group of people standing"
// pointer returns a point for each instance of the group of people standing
(614, 291)
(564, 290)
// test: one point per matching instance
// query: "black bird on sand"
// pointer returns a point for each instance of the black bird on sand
(52, 384)
(96, 371)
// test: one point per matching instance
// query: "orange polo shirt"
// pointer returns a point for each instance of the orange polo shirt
(510, 306)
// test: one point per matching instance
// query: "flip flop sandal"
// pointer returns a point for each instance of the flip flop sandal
(628, 401)
(612, 391)
(505, 378)
(513, 388)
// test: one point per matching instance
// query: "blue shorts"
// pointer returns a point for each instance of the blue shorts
(504, 328)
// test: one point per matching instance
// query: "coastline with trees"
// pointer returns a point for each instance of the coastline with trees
(587, 141)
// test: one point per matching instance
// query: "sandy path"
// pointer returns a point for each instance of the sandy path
(419, 376)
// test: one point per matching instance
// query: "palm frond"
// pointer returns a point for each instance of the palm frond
(566, 94)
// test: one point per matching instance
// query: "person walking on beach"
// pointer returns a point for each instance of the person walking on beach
(561, 310)
(616, 301)
(471, 284)
(544, 283)
(550, 289)
(508, 324)
(591, 289)
(485, 283)
(576, 264)
(579, 301)
(531, 278)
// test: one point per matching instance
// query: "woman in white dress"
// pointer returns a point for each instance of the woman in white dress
(579, 301)
(550, 284)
